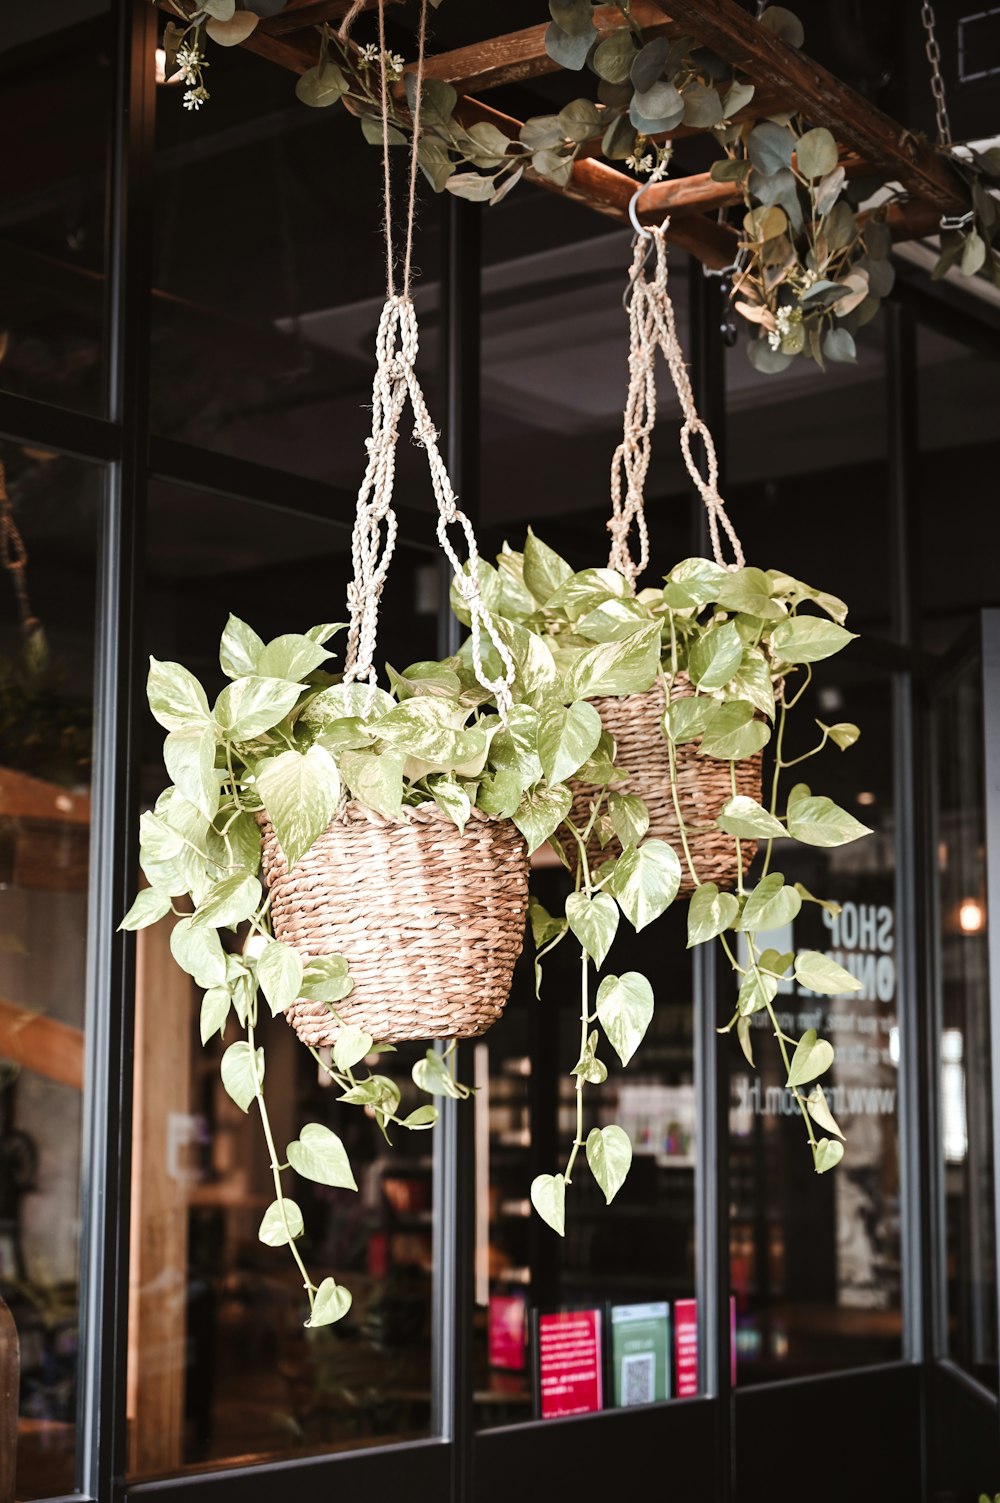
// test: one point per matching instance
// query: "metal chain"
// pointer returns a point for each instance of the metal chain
(937, 81)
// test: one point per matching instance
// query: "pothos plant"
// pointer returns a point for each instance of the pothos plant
(746, 640)
(287, 736)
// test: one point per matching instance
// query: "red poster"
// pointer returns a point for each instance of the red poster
(686, 1345)
(506, 1331)
(569, 1350)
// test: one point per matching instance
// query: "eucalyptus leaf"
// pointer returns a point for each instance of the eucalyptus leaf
(321, 86)
(816, 153)
(614, 56)
(567, 49)
(241, 24)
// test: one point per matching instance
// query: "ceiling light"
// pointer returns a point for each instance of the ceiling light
(866, 798)
(971, 916)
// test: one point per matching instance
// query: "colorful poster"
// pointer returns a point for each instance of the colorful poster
(506, 1331)
(686, 1345)
(569, 1363)
(640, 1353)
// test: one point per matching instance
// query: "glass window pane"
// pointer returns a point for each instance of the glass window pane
(221, 1367)
(815, 1259)
(47, 608)
(966, 1086)
(56, 80)
(264, 346)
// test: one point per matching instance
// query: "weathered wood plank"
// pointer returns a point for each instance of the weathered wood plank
(25, 797)
(821, 97)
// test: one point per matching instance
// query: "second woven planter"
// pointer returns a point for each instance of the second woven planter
(431, 921)
(703, 786)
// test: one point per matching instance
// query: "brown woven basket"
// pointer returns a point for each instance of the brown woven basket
(429, 920)
(703, 786)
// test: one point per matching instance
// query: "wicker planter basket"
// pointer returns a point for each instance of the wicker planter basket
(703, 786)
(430, 921)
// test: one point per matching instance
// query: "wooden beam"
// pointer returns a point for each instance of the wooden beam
(821, 98)
(42, 1044)
(520, 55)
(298, 14)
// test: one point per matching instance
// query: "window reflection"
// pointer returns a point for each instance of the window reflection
(49, 512)
(815, 1260)
(221, 1368)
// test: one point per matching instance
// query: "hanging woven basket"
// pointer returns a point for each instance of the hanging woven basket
(431, 921)
(703, 786)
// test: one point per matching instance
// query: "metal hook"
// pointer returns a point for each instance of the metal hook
(640, 230)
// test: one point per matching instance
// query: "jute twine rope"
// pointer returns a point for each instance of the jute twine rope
(430, 919)
(652, 327)
(394, 383)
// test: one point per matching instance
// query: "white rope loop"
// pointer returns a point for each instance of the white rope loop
(395, 382)
(652, 326)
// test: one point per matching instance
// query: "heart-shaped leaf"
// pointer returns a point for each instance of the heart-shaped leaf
(352, 1045)
(771, 905)
(746, 818)
(828, 1154)
(645, 881)
(813, 1056)
(625, 1011)
(819, 1111)
(609, 1154)
(710, 913)
(548, 1196)
(280, 1224)
(318, 1154)
(821, 974)
(331, 1303)
(241, 1073)
(594, 921)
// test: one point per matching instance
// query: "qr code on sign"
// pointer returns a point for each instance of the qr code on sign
(638, 1378)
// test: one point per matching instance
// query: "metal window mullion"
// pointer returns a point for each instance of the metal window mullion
(991, 794)
(708, 379)
(454, 1152)
(101, 1452)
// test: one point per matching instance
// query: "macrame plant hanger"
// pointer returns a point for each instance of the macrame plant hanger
(652, 327)
(396, 381)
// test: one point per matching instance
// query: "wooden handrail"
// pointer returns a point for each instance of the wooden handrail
(10, 1387)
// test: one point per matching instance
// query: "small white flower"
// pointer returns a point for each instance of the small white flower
(774, 339)
(195, 98)
(640, 164)
(394, 65)
(369, 54)
(190, 63)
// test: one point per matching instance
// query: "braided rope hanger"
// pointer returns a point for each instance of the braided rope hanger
(395, 381)
(653, 326)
